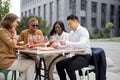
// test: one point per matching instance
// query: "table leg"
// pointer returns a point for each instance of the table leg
(52, 63)
(38, 69)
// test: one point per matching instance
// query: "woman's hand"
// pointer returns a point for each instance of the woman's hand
(54, 45)
(20, 47)
(13, 31)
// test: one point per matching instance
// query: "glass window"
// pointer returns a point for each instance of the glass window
(30, 13)
(103, 14)
(112, 13)
(39, 11)
(22, 15)
(72, 6)
(93, 22)
(44, 11)
(51, 13)
(25, 13)
(83, 21)
(94, 7)
(58, 9)
(83, 13)
(34, 11)
(94, 14)
(119, 16)
(83, 4)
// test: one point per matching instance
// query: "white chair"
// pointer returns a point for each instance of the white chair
(86, 69)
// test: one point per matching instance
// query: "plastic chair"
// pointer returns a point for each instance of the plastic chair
(99, 62)
(86, 70)
(5, 73)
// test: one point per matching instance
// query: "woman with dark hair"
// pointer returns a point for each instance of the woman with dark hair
(8, 43)
(58, 33)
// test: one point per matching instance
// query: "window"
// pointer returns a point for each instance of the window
(34, 10)
(94, 6)
(44, 11)
(83, 13)
(83, 4)
(93, 22)
(83, 21)
(112, 13)
(51, 13)
(58, 9)
(39, 11)
(22, 14)
(94, 14)
(25, 13)
(119, 16)
(72, 6)
(30, 13)
(103, 15)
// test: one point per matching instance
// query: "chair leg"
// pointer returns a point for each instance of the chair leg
(5, 75)
(88, 74)
(80, 78)
(13, 75)
(83, 71)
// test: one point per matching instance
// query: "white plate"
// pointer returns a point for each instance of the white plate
(44, 48)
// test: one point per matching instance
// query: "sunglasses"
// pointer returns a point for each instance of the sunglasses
(34, 25)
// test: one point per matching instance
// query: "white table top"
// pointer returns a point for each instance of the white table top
(50, 52)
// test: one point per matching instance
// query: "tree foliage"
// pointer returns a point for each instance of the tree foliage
(109, 25)
(4, 8)
(24, 25)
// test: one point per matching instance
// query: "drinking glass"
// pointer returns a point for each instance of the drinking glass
(30, 40)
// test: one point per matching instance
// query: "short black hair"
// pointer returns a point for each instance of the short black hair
(72, 17)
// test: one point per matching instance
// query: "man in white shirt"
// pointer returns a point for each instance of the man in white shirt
(78, 39)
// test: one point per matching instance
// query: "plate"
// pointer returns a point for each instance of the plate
(44, 48)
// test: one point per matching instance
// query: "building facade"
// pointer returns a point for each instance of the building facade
(93, 14)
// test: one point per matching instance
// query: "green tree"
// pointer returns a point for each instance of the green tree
(24, 25)
(109, 26)
(4, 8)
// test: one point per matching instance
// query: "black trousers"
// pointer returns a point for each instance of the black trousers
(71, 64)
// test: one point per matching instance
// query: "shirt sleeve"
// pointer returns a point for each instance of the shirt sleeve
(10, 41)
(79, 40)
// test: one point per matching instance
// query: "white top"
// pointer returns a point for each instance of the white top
(63, 36)
(79, 39)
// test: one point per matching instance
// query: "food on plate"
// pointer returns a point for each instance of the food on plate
(52, 41)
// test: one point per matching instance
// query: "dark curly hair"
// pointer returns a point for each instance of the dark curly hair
(61, 25)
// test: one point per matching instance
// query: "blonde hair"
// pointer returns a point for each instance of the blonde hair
(32, 20)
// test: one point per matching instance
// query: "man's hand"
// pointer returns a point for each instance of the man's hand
(62, 42)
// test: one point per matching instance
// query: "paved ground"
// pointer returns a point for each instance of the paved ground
(112, 50)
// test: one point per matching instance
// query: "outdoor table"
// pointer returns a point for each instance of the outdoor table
(42, 54)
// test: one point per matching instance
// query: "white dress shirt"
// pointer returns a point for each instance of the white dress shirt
(79, 39)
